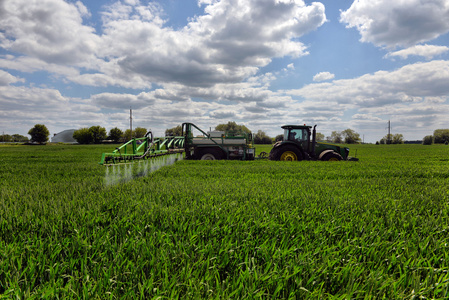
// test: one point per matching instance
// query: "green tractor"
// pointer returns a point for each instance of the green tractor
(300, 143)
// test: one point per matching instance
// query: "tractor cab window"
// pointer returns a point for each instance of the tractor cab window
(297, 135)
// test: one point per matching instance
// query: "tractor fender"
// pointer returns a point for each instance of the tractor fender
(277, 144)
(322, 154)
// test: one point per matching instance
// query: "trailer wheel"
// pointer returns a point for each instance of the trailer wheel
(210, 154)
(332, 156)
(286, 153)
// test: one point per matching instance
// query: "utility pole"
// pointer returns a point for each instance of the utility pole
(389, 133)
(131, 122)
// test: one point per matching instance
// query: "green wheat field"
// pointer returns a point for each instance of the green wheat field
(373, 229)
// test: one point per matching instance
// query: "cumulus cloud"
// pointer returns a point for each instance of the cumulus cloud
(323, 76)
(225, 114)
(427, 51)
(7, 79)
(414, 95)
(407, 84)
(136, 50)
(121, 101)
(50, 30)
(368, 117)
(213, 48)
(398, 23)
(22, 107)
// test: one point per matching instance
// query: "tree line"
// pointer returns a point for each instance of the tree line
(97, 134)
(347, 136)
(14, 138)
(440, 136)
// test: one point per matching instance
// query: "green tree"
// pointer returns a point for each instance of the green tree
(39, 133)
(392, 139)
(441, 136)
(6, 138)
(175, 131)
(98, 133)
(387, 139)
(319, 136)
(128, 135)
(231, 128)
(398, 139)
(139, 132)
(427, 140)
(262, 138)
(335, 137)
(115, 134)
(19, 138)
(350, 136)
(83, 136)
(279, 137)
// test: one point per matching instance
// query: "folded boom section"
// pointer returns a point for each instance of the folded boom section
(143, 148)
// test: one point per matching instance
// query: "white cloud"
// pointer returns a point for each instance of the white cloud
(223, 114)
(427, 51)
(213, 48)
(22, 107)
(121, 101)
(135, 50)
(82, 9)
(406, 84)
(49, 30)
(398, 23)
(7, 79)
(323, 76)
(414, 95)
(32, 64)
(368, 117)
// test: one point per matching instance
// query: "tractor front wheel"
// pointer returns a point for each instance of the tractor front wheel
(286, 153)
(332, 156)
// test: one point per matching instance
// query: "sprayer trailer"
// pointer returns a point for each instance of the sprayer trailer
(194, 142)
(217, 144)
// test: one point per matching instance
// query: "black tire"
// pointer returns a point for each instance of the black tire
(210, 154)
(286, 153)
(332, 156)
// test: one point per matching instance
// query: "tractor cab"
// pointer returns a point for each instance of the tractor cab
(296, 133)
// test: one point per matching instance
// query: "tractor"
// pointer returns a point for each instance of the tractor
(299, 143)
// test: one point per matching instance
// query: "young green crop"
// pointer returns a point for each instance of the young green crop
(376, 228)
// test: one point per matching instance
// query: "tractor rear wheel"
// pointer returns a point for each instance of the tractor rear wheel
(286, 153)
(332, 156)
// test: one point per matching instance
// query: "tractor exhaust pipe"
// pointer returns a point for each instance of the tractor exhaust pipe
(313, 140)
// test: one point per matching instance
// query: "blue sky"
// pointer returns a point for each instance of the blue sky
(261, 63)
